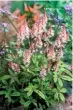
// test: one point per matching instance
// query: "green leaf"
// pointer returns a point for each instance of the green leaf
(60, 82)
(20, 53)
(40, 107)
(17, 5)
(62, 97)
(56, 96)
(15, 94)
(68, 72)
(27, 103)
(30, 93)
(9, 58)
(40, 94)
(54, 90)
(12, 81)
(5, 77)
(28, 88)
(63, 90)
(55, 77)
(67, 78)
(2, 92)
(29, 71)
(10, 71)
(61, 70)
(34, 101)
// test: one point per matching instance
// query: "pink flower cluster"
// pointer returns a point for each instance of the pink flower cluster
(62, 38)
(14, 66)
(27, 57)
(23, 33)
(51, 52)
(39, 36)
(39, 26)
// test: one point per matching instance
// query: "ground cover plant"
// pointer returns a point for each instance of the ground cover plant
(34, 72)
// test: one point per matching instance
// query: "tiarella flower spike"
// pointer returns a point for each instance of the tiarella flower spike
(27, 57)
(14, 66)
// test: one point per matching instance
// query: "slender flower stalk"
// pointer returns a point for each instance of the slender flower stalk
(7, 12)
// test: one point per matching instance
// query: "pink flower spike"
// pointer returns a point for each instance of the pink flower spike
(43, 72)
(27, 57)
(32, 47)
(23, 33)
(14, 66)
(51, 52)
(65, 37)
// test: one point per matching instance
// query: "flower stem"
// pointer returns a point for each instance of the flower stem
(11, 22)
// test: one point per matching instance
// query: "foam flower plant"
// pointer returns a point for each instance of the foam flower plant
(36, 73)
